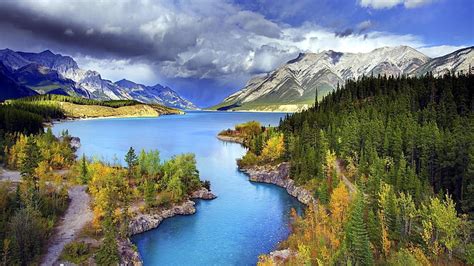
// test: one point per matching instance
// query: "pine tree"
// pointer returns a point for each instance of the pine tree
(357, 235)
(84, 171)
(108, 251)
(374, 229)
(131, 160)
(27, 169)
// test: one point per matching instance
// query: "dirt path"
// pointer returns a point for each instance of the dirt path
(340, 172)
(13, 176)
(76, 217)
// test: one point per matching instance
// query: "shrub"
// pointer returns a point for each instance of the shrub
(76, 252)
(249, 159)
(164, 199)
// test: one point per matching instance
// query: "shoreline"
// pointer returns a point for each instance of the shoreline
(143, 222)
(232, 139)
(70, 119)
(277, 175)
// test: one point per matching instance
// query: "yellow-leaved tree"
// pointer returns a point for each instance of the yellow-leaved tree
(273, 149)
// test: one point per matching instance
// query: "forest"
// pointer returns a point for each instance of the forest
(30, 208)
(76, 100)
(407, 144)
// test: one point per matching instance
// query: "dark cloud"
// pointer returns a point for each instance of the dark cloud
(92, 42)
(344, 33)
(357, 30)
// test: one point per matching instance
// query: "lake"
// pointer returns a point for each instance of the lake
(246, 220)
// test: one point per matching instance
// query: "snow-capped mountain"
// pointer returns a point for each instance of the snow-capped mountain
(42, 67)
(293, 85)
(458, 61)
(155, 94)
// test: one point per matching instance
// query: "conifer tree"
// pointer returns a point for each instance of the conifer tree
(357, 235)
(131, 160)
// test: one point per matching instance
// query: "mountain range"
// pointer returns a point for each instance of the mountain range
(292, 86)
(32, 73)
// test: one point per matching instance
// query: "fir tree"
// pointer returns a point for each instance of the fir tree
(131, 160)
(357, 235)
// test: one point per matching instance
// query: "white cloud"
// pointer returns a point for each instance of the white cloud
(381, 4)
(116, 69)
(206, 39)
(436, 51)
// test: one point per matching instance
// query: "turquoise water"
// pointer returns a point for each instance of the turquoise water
(246, 220)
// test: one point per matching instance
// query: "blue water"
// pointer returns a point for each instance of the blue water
(246, 220)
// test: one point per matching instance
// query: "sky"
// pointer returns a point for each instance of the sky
(208, 49)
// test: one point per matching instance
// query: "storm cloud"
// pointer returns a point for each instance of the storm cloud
(168, 41)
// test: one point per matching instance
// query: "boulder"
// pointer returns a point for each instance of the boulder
(203, 193)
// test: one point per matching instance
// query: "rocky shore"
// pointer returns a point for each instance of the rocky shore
(279, 175)
(230, 139)
(147, 221)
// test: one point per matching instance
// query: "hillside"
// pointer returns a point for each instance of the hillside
(292, 86)
(390, 162)
(73, 107)
(156, 94)
(47, 72)
(9, 88)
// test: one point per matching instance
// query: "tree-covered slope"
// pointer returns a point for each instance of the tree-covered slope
(408, 146)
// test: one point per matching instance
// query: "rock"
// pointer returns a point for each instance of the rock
(231, 139)
(75, 143)
(279, 175)
(129, 255)
(203, 193)
(145, 222)
(280, 256)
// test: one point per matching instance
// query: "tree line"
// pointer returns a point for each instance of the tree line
(407, 143)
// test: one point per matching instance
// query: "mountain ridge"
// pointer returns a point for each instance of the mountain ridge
(294, 83)
(74, 81)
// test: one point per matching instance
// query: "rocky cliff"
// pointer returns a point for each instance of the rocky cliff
(147, 221)
(279, 175)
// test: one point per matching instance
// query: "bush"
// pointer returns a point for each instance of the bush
(164, 199)
(470, 254)
(249, 159)
(28, 232)
(76, 252)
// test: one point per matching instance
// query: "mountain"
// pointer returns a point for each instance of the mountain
(47, 72)
(155, 94)
(292, 86)
(458, 61)
(45, 80)
(9, 88)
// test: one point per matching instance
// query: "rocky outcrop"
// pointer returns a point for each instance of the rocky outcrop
(279, 175)
(147, 221)
(278, 257)
(203, 193)
(75, 143)
(129, 255)
(231, 139)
